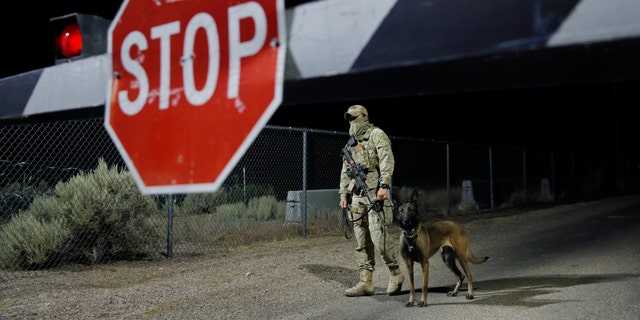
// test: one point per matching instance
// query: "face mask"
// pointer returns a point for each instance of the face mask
(358, 127)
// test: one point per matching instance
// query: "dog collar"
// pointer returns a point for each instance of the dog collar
(410, 234)
(409, 237)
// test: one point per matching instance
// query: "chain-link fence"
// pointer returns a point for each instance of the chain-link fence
(284, 187)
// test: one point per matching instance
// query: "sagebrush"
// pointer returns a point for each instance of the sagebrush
(94, 217)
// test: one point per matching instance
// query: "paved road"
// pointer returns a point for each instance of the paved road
(570, 262)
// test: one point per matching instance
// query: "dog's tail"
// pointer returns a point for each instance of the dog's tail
(473, 259)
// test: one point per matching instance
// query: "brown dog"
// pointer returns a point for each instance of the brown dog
(420, 241)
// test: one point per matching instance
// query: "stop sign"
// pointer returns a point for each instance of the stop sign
(193, 83)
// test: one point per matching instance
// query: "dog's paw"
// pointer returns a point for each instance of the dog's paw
(452, 294)
(422, 304)
(409, 304)
(470, 297)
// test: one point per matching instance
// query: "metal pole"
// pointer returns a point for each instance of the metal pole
(304, 183)
(524, 176)
(244, 185)
(574, 188)
(169, 225)
(553, 177)
(448, 182)
(491, 177)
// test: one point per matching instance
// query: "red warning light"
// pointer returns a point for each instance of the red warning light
(77, 36)
(70, 41)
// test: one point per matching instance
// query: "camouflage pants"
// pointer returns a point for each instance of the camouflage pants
(370, 232)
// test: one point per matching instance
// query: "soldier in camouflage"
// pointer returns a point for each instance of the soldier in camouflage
(372, 151)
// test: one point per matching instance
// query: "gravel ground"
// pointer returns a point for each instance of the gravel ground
(266, 281)
(259, 281)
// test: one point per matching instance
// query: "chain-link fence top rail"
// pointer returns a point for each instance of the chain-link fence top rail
(286, 184)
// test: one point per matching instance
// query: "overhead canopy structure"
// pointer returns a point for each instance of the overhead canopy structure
(392, 48)
(369, 49)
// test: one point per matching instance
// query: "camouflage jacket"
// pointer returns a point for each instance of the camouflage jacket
(374, 153)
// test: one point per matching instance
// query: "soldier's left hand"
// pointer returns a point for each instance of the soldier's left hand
(382, 194)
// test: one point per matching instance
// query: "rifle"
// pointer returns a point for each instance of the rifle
(356, 172)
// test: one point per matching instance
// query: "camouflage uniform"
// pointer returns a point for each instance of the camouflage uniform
(373, 152)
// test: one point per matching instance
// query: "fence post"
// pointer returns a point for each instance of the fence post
(448, 181)
(304, 183)
(553, 176)
(169, 198)
(491, 178)
(524, 176)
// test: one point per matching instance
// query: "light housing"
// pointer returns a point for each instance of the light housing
(78, 36)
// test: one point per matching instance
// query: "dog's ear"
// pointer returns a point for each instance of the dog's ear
(414, 197)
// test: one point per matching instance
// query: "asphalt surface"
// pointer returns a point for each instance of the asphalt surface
(578, 261)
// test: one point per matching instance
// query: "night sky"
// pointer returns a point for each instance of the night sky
(26, 35)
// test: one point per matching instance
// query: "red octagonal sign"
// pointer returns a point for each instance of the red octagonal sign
(193, 83)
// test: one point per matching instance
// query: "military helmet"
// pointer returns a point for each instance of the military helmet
(354, 111)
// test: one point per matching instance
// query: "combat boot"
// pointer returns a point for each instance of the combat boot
(395, 281)
(364, 287)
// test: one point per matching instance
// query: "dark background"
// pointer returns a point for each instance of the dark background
(591, 116)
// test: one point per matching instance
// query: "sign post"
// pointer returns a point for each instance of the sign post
(192, 84)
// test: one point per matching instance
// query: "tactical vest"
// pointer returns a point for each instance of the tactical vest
(364, 153)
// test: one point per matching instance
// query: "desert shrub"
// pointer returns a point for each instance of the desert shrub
(436, 199)
(516, 198)
(18, 196)
(262, 208)
(231, 213)
(200, 203)
(203, 203)
(28, 242)
(95, 217)
(281, 210)
(232, 224)
(243, 193)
